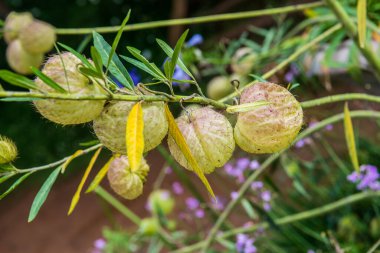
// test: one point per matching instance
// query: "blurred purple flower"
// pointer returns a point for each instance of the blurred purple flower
(292, 73)
(310, 251)
(257, 185)
(177, 188)
(254, 165)
(192, 203)
(199, 213)
(195, 40)
(218, 203)
(329, 127)
(301, 143)
(168, 170)
(267, 207)
(266, 196)
(244, 244)
(367, 178)
(179, 74)
(242, 163)
(136, 78)
(354, 177)
(100, 244)
(234, 195)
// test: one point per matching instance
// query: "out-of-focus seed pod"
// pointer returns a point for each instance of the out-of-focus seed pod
(161, 200)
(38, 37)
(8, 150)
(374, 227)
(14, 23)
(149, 226)
(124, 181)
(20, 60)
(272, 127)
(243, 61)
(68, 112)
(209, 136)
(110, 126)
(218, 87)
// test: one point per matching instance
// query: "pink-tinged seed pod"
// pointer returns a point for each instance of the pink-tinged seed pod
(110, 126)
(20, 60)
(270, 128)
(14, 23)
(38, 37)
(209, 136)
(124, 181)
(243, 61)
(68, 112)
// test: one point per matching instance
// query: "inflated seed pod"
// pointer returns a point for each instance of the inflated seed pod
(218, 87)
(14, 23)
(8, 150)
(161, 200)
(272, 127)
(68, 112)
(110, 126)
(243, 61)
(37, 37)
(209, 136)
(20, 60)
(124, 181)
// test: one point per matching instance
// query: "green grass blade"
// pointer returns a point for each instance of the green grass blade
(17, 80)
(48, 81)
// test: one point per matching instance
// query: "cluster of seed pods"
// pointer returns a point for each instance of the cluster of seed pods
(208, 133)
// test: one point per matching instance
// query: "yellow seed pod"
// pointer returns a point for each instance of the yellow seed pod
(68, 112)
(243, 61)
(127, 183)
(218, 87)
(209, 136)
(8, 150)
(20, 60)
(270, 128)
(38, 37)
(14, 23)
(110, 126)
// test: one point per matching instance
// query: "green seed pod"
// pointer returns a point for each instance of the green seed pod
(38, 37)
(374, 227)
(218, 87)
(127, 183)
(8, 150)
(110, 126)
(209, 136)
(20, 60)
(243, 61)
(269, 128)
(149, 226)
(14, 23)
(160, 200)
(68, 112)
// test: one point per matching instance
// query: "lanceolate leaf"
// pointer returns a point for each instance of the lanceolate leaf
(246, 107)
(135, 137)
(181, 142)
(6, 177)
(177, 51)
(41, 196)
(97, 60)
(99, 177)
(47, 80)
(78, 55)
(137, 54)
(76, 196)
(17, 80)
(362, 21)
(350, 137)
(15, 184)
(72, 157)
(139, 65)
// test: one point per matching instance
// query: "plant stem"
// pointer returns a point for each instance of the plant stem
(288, 60)
(374, 247)
(117, 205)
(190, 21)
(351, 30)
(243, 189)
(290, 218)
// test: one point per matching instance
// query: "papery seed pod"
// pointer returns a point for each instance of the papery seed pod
(149, 226)
(161, 200)
(190, 108)
(209, 136)
(38, 37)
(8, 150)
(243, 61)
(272, 127)
(68, 112)
(110, 126)
(14, 23)
(20, 60)
(218, 87)
(124, 181)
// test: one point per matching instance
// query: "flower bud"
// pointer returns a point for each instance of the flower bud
(20, 60)
(124, 181)
(149, 226)
(243, 61)
(209, 136)
(67, 112)
(110, 126)
(218, 87)
(14, 23)
(8, 150)
(160, 200)
(272, 127)
(38, 37)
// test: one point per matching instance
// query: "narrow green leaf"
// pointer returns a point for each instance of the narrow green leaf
(350, 137)
(42, 194)
(137, 54)
(362, 21)
(117, 38)
(116, 67)
(167, 69)
(47, 80)
(78, 55)
(15, 184)
(248, 208)
(97, 59)
(139, 65)
(6, 177)
(90, 72)
(17, 80)
(177, 51)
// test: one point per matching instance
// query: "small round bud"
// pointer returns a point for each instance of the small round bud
(209, 136)
(110, 126)
(14, 23)
(243, 61)
(219, 87)
(124, 181)
(272, 127)
(161, 200)
(68, 112)
(8, 150)
(38, 37)
(20, 60)
(149, 226)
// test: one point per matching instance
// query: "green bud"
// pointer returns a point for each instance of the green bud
(161, 200)
(8, 150)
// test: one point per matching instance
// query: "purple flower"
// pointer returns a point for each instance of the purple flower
(199, 213)
(257, 185)
(266, 196)
(370, 176)
(244, 244)
(234, 195)
(303, 142)
(354, 177)
(267, 207)
(196, 39)
(136, 78)
(218, 204)
(254, 165)
(177, 188)
(100, 244)
(329, 127)
(292, 73)
(310, 251)
(242, 163)
(192, 203)
(179, 74)
(168, 170)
